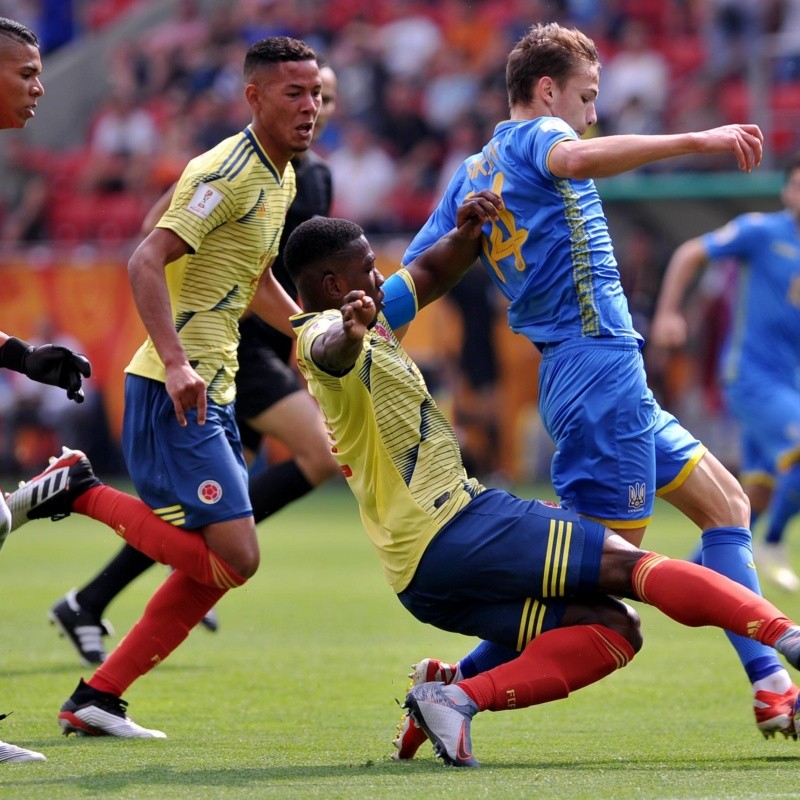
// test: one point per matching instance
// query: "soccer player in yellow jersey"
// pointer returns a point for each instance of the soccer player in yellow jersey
(192, 277)
(529, 576)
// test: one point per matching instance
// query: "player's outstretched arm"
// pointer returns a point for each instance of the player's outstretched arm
(668, 328)
(604, 156)
(48, 363)
(336, 350)
(442, 265)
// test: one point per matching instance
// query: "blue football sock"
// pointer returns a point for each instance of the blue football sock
(785, 504)
(729, 552)
(696, 557)
(485, 656)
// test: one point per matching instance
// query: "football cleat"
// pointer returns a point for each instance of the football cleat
(83, 629)
(777, 713)
(90, 712)
(211, 620)
(410, 737)
(52, 492)
(788, 645)
(445, 714)
(773, 563)
(432, 669)
(12, 753)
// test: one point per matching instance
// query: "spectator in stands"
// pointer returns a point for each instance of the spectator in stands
(635, 84)
(356, 59)
(124, 138)
(364, 176)
(730, 28)
(410, 40)
(450, 89)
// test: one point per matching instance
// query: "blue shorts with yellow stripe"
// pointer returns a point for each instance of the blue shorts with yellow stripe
(616, 448)
(768, 411)
(505, 569)
(191, 476)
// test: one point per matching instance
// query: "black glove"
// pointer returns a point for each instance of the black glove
(48, 363)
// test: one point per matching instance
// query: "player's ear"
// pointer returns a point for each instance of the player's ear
(252, 96)
(332, 286)
(544, 88)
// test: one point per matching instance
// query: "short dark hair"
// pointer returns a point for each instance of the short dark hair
(315, 242)
(274, 50)
(17, 31)
(546, 50)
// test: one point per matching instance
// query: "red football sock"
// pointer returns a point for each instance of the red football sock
(176, 607)
(695, 596)
(550, 667)
(136, 523)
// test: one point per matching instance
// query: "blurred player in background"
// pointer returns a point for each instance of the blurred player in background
(760, 366)
(532, 577)
(192, 278)
(551, 255)
(269, 402)
(20, 90)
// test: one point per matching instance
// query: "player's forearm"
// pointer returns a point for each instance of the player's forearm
(442, 265)
(684, 265)
(272, 303)
(337, 350)
(605, 156)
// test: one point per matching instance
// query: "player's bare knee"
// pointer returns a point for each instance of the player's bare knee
(610, 613)
(247, 564)
(624, 620)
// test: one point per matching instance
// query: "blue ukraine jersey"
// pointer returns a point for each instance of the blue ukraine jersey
(765, 333)
(760, 365)
(551, 255)
(550, 252)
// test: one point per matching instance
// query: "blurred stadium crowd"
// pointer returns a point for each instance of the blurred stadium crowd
(421, 85)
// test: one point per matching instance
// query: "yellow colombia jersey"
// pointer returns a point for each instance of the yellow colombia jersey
(229, 206)
(396, 449)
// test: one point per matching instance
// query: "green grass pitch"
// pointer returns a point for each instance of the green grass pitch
(297, 695)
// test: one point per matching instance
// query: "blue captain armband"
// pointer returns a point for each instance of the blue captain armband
(400, 299)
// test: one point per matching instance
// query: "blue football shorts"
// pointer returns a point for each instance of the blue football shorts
(503, 568)
(768, 412)
(190, 476)
(616, 448)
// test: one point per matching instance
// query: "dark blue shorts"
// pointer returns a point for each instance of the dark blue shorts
(504, 569)
(192, 476)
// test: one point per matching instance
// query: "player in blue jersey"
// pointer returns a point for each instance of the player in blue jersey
(760, 365)
(551, 255)
(529, 576)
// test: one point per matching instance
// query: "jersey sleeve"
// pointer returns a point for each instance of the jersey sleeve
(740, 237)
(543, 138)
(308, 327)
(197, 208)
